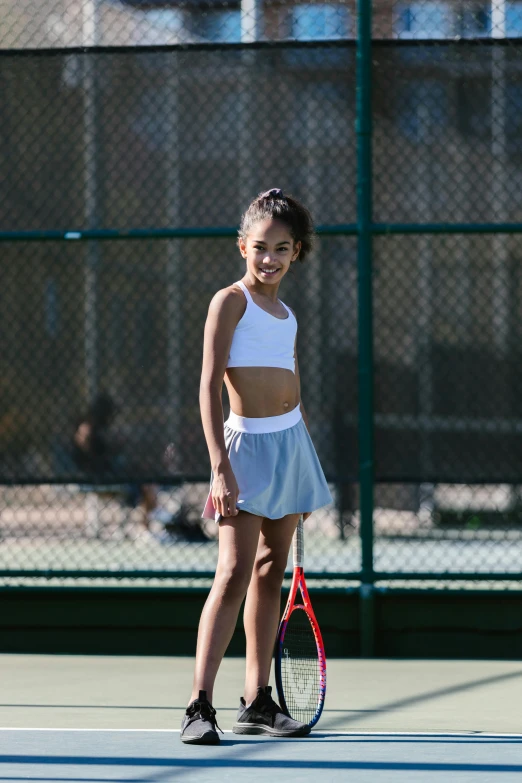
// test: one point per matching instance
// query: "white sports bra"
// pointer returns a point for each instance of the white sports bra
(261, 339)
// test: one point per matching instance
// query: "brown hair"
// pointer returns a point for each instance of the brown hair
(273, 204)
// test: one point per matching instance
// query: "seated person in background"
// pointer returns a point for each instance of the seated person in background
(99, 453)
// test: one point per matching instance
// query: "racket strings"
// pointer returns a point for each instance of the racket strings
(300, 667)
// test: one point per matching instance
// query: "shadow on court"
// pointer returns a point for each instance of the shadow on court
(99, 719)
(349, 716)
(259, 759)
(333, 718)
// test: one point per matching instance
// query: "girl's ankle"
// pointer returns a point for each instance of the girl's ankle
(195, 696)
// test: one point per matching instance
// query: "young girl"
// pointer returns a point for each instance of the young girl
(265, 472)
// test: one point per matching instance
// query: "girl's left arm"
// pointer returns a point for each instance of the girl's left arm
(303, 412)
(298, 380)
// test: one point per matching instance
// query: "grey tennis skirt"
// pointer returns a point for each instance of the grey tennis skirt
(275, 465)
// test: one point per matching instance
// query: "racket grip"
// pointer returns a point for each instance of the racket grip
(298, 545)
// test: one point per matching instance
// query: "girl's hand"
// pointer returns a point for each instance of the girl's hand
(225, 493)
(305, 516)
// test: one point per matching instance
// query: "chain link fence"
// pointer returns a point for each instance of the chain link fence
(133, 135)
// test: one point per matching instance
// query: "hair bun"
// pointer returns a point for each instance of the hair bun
(274, 193)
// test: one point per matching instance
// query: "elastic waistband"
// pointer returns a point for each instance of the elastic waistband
(264, 424)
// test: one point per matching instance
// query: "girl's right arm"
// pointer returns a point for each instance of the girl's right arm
(224, 313)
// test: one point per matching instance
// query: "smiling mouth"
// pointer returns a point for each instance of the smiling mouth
(269, 271)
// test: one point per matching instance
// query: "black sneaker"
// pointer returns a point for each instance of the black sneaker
(264, 716)
(199, 722)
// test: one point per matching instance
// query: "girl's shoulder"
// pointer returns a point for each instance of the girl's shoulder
(229, 301)
(230, 294)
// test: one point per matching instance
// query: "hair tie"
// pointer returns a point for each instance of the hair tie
(274, 193)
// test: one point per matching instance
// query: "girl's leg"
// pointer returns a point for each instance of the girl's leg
(238, 539)
(263, 601)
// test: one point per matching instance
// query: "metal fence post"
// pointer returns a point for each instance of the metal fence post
(365, 330)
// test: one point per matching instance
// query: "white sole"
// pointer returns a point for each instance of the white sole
(260, 728)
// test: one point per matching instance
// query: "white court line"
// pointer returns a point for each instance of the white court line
(325, 731)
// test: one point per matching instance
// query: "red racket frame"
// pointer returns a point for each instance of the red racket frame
(298, 582)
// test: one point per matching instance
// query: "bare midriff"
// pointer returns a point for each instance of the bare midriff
(257, 392)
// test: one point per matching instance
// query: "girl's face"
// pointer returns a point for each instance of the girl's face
(269, 250)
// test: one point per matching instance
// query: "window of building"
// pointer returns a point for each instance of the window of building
(317, 22)
(514, 19)
(170, 19)
(218, 25)
(430, 19)
(146, 5)
(474, 21)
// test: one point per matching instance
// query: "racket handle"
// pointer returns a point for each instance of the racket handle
(298, 545)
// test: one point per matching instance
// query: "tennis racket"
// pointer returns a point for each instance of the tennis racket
(300, 661)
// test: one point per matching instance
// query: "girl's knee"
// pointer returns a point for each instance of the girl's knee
(270, 568)
(232, 579)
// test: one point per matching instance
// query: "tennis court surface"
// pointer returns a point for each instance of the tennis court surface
(75, 718)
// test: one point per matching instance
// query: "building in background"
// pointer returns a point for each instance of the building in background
(147, 22)
(172, 139)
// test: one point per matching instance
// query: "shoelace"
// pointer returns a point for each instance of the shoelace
(204, 711)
